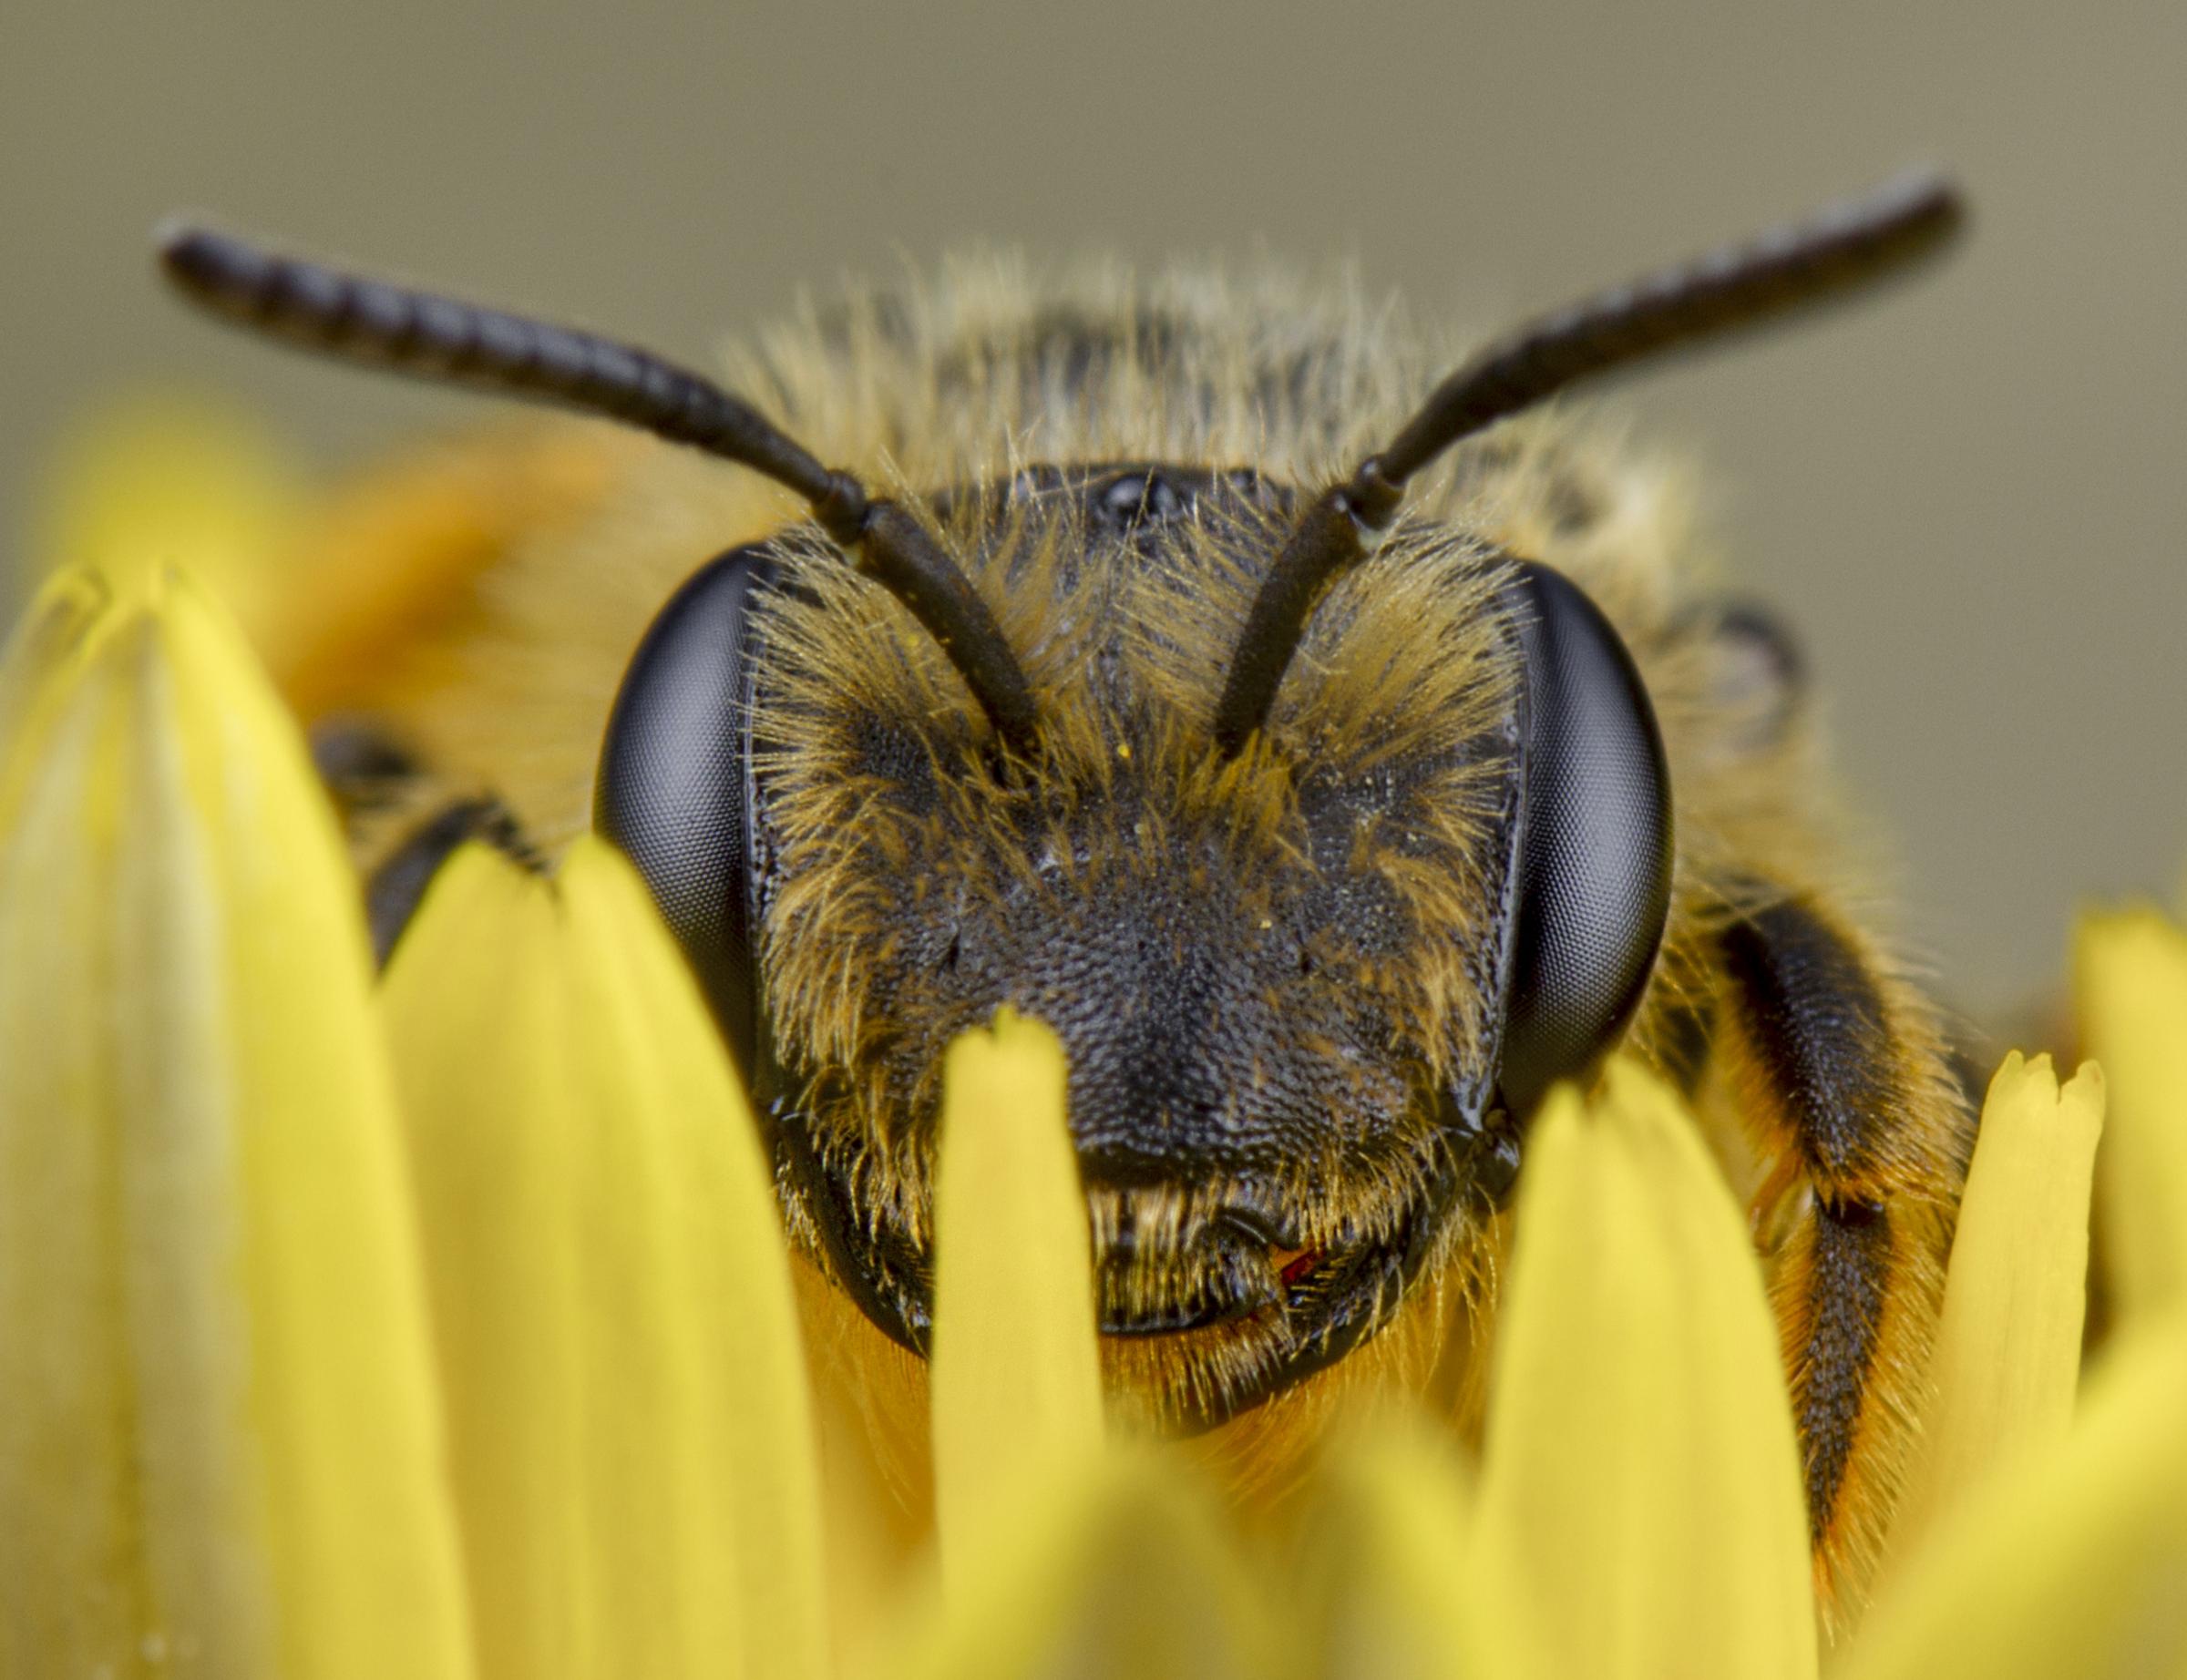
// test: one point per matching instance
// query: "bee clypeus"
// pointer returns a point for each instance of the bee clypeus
(1149, 657)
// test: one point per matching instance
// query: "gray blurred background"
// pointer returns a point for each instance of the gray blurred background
(1969, 498)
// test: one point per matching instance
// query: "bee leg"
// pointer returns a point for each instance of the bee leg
(1842, 1076)
(367, 768)
(402, 820)
(397, 885)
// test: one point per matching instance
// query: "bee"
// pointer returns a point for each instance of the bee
(1334, 769)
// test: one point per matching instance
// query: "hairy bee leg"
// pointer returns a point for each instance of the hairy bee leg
(367, 768)
(1842, 1072)
(403, 821)
(396, 888)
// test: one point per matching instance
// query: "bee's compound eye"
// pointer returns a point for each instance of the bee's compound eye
(1595, 856)
(674, 789)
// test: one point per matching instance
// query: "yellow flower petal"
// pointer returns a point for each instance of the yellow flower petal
(218, 1443)
(165, 481)
(2078, 1565)
(2008, 1352)
(1016, 1380)
(1640, 1505)
(631, 1439)
(1387, 1556)
(1117, 1570)
(2131, 986)
(52, 635)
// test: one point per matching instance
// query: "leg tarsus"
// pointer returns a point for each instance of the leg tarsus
(399, 885)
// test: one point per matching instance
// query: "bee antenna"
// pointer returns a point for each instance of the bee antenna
(441, 338)
(1845, 247)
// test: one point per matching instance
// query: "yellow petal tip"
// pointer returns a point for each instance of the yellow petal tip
(1011, 1046)
(2085, 1087)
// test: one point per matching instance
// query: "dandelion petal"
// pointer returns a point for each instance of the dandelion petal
(631, 1439)
(1386, 1562)
(1117, 1570)
(219, 1445)
(166, 482)
(2009, 1347)
(50, 635)
(1641, 1508)
(2131, 986)
(1016, 1380)
(2075, 1565)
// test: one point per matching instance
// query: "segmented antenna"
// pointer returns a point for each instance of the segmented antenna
(435, 337)
(1738, 286)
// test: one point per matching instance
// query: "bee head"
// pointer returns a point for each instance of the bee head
(1309, 990)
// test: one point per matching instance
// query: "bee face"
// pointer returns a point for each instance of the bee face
(1283, 978)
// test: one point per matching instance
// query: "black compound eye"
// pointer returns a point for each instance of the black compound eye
(674, 789)
(1594, 855)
